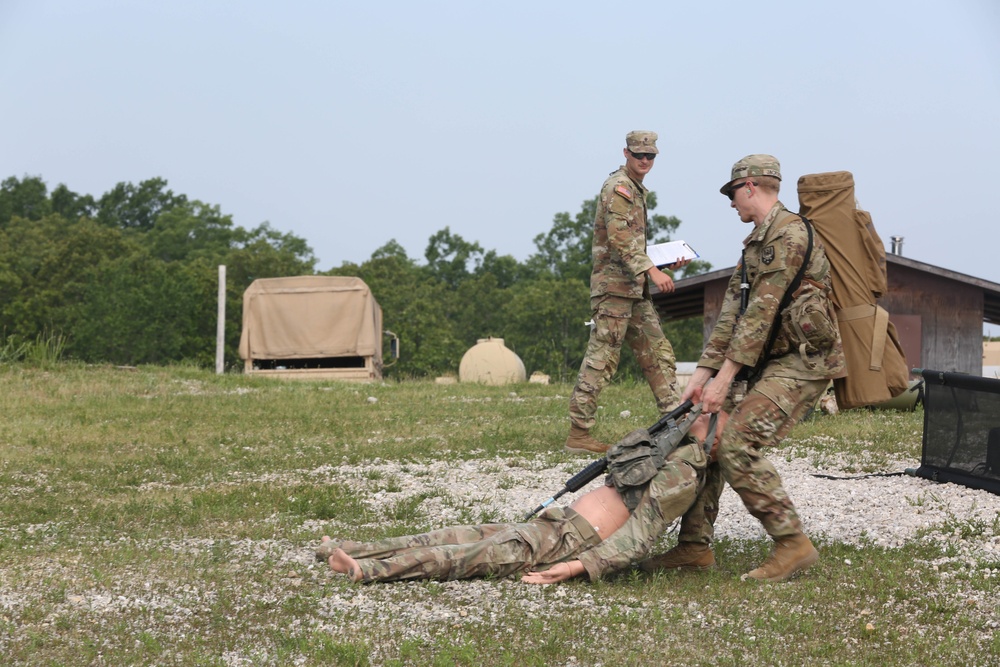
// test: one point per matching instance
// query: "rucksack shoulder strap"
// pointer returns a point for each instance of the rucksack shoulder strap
(783, 218)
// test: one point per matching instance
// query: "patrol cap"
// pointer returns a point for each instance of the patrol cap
(641, 141)
(753, 165)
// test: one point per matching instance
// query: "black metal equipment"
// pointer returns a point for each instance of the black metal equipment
(961, 442)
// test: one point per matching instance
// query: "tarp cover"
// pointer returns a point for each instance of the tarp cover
(876, 365)
(303, 317)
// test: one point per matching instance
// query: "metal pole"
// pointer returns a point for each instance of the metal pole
(220, 330)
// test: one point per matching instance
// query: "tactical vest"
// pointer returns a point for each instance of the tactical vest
(634, 460)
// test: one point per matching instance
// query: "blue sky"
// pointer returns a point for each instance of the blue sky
(350, 124)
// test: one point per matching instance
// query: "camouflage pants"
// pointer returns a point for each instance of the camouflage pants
(769, 411)
(618, 320)
(462, 552)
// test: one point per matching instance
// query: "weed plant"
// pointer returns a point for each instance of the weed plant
(45, 351)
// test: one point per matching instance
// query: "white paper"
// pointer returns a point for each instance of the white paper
(663, 254)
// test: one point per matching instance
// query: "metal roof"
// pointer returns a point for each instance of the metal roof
(688, 297)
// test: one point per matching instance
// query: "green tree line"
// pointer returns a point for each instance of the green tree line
(131, 278)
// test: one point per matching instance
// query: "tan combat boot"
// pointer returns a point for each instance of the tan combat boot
(579, 439)
(685, 556)
(791, 555)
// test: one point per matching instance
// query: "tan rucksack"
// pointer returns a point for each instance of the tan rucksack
(876, 366)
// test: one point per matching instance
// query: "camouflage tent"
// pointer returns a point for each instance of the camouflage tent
(320, 327)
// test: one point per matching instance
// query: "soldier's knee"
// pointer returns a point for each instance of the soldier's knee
(733, 454)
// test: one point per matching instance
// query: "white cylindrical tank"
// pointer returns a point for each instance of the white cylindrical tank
(490, 362)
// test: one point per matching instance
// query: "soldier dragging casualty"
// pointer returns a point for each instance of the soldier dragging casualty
(603, 530)
(787, 336)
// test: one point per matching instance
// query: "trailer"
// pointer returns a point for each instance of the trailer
(314, 328)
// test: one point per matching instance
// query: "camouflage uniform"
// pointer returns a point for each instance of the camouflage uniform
(556, 535)
(806, 354)
(671, 493)
(620, 304)
(463, 552)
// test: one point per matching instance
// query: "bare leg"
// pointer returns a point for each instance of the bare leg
(344, 564)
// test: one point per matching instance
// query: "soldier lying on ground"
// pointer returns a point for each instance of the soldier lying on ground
(598, 533)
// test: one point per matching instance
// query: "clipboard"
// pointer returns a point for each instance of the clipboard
(663, 254)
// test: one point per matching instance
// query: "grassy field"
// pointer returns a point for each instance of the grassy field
(168, 515)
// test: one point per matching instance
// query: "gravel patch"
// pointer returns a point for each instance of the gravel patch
(857, 510)
(281, 574)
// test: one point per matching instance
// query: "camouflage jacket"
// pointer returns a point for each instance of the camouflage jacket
(667, 496)
(619, 249)
(808, 345)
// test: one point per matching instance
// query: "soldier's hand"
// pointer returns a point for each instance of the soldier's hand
(663, 282)
(714, 396)
(695, 384)
(555, 574)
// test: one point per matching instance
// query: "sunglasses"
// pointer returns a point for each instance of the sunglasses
(643, 156)
(732, 190)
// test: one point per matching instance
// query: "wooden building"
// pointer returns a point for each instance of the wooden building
(938, 313)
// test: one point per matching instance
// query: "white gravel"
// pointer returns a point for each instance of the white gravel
(881, 511)
(886, 512)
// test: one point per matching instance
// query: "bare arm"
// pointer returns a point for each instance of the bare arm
(555, 574)
(663, 282)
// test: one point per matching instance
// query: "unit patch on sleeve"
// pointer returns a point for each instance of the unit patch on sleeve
(767, 255)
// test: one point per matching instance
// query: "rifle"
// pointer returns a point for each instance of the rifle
(596, 468)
